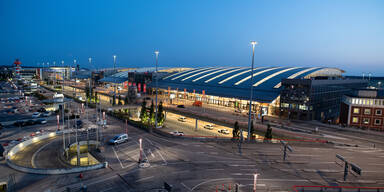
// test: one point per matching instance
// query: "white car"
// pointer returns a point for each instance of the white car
(80, 98)
(119, 139)
(223, 131)
(177, 133)
(47, 114)
(182, 119)
(36, 115)
(209, 126)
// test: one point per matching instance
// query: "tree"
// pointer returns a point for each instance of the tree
(120, 103)
(160, 114)
(236, 131)
(96, 96)
(126, 100)
(87, 92)
(268, 134)
(253, 135)
(151, 113)
(143, 112)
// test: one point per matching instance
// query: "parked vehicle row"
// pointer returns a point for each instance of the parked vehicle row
(30, 122)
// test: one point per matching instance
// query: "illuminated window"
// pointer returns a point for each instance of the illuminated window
(356, 110)
(303, 107)
(355, 120)
(367, 111)
(366, 121)
(377, 121)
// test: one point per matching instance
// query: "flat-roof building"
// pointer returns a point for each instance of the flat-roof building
(230, 86)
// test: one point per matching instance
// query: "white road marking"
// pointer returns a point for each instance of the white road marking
(165, 162)
(101, 180)
(107, 189)
(249, 179)
(38, 150)
(117, 157)
(149, 141)
(186, 186)
(242, 165)
(143, 179)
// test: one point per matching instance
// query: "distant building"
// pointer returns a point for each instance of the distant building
(364, 109)
(316, 98)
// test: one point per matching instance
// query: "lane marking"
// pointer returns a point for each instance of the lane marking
(165, 162)
(145, 178)
(37, 151)
(189, 189)
(117, 157)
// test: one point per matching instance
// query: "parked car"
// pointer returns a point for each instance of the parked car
(223, 131)
(36, 114)
(47, 114)
(41, 121)
(181, 106)
(78, 124)
(182, 119)
(209, 126)
(177, 133)
(80, 98)
(19, 123)
(239, 110)
(30, 122)
(119, 139)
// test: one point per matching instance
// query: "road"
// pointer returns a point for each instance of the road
(199, 165)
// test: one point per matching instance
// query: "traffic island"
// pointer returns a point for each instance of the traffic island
(90, 163)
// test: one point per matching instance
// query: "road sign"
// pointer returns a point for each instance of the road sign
(355, 168)
(289, 148)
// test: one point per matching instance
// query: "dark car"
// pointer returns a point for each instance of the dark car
(181, 106)
(78, 124)
(30, 122)
(41, 110)
(19, 123)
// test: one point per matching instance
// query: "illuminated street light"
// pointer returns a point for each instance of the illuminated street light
(253, 43)
(114, 80)
(157, 60)
(254, 181)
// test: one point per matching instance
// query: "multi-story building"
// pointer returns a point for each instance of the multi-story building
(363, 109)
(315, 98)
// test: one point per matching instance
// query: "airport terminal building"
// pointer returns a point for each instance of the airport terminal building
(230, 86)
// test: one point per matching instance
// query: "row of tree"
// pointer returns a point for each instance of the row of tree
(147, 115)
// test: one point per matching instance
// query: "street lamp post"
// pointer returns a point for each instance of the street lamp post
(157, 60)
(254, 43)
(254, 181)
(114, 82)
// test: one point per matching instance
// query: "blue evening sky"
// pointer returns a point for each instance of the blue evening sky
(348, 34)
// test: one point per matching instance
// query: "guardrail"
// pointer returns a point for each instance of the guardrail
(23, 144)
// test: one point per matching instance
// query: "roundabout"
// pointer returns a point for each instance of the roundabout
(44, 155)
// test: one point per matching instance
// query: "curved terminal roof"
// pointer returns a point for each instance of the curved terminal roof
(235, 82)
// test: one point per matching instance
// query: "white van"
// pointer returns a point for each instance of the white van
(119, 139)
